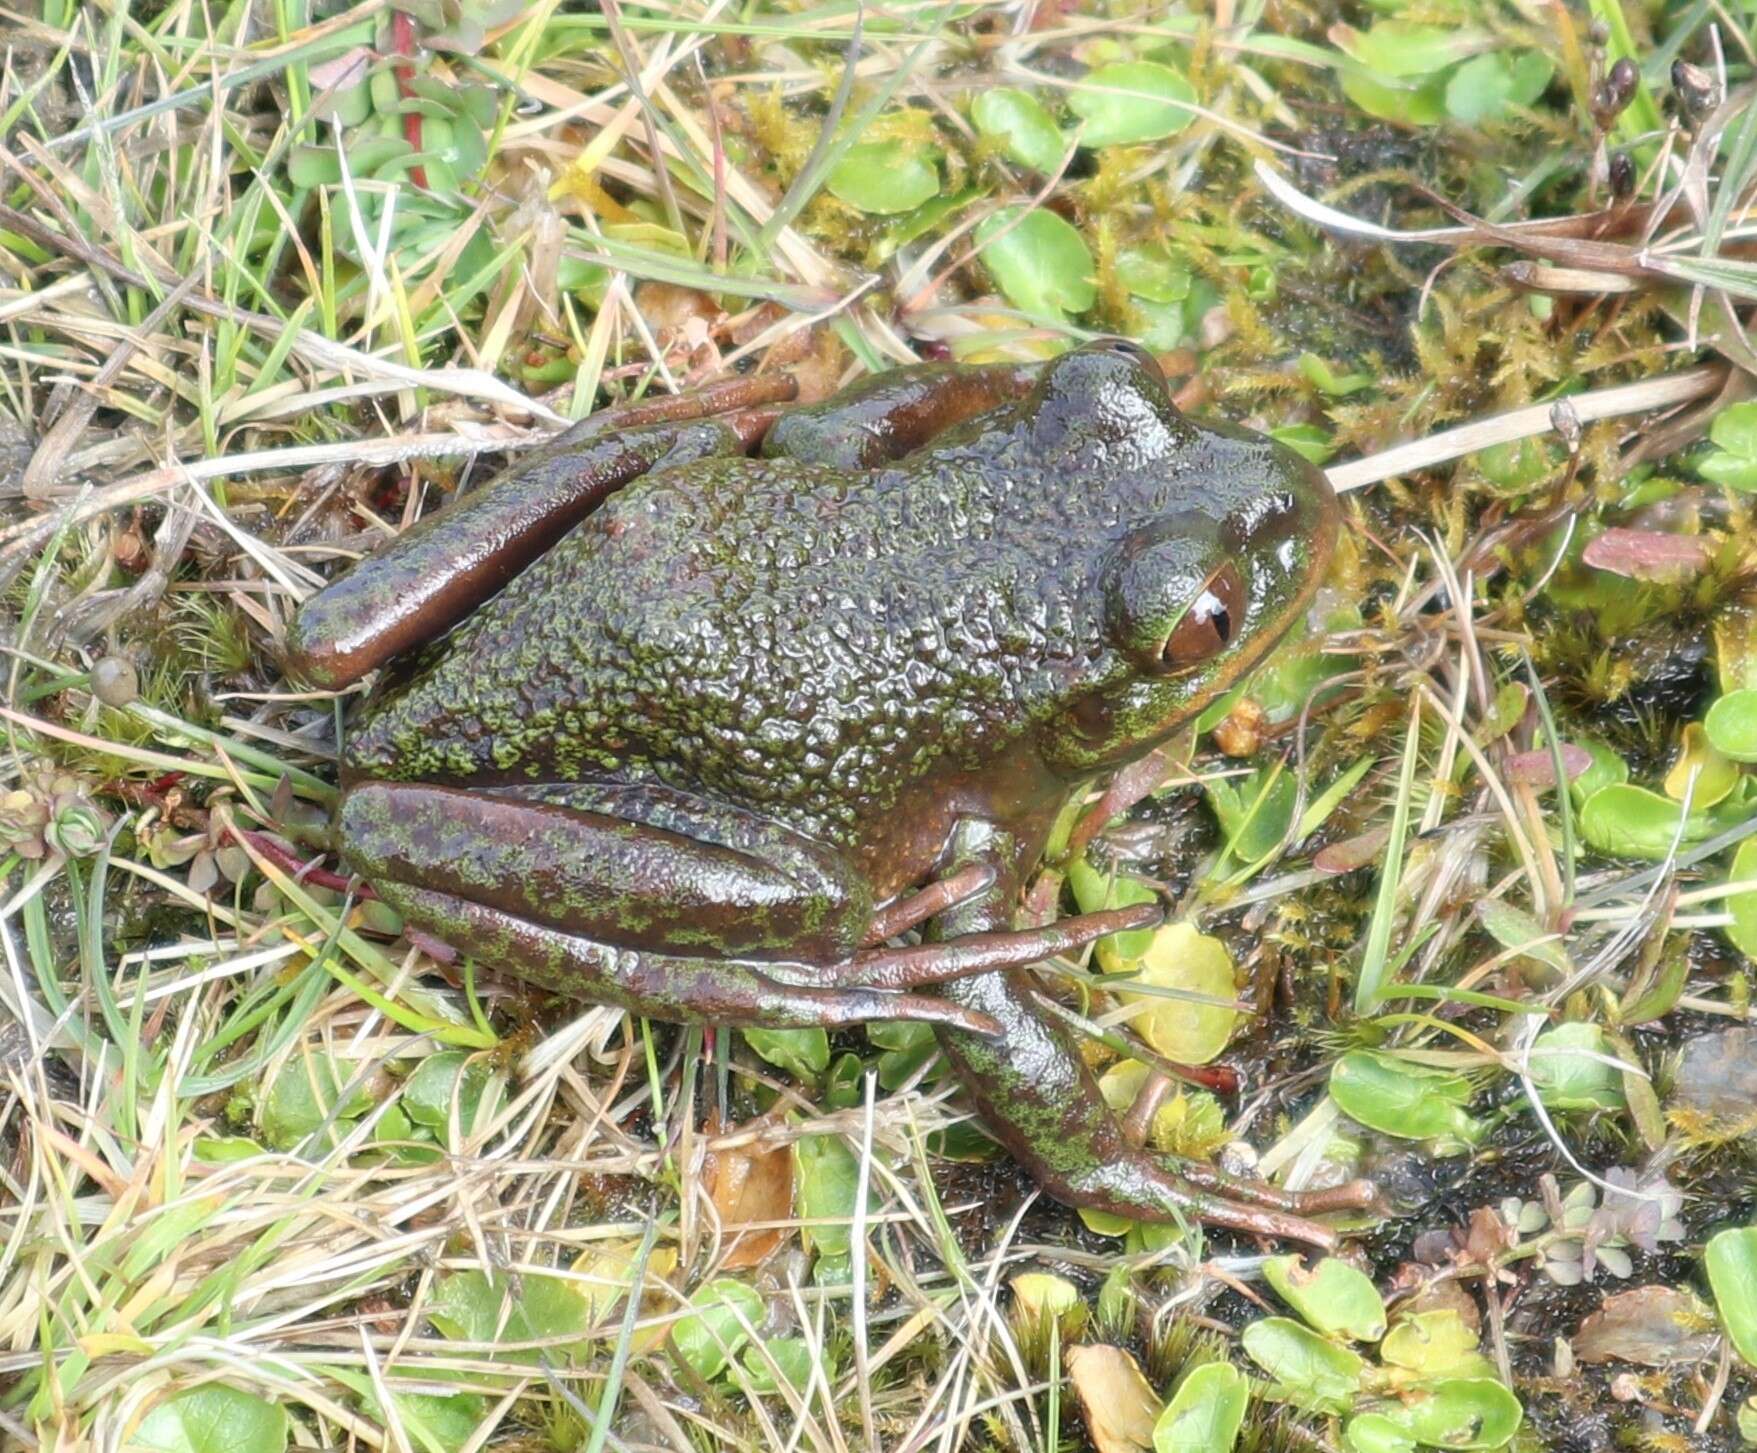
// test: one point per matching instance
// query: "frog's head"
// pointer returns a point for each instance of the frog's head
(1218, 538)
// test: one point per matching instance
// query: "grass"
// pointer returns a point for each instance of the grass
(271, 1172)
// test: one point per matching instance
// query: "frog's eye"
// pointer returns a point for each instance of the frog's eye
(1127, 348)
(1207, 626)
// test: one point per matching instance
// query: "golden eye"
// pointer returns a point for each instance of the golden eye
(1207, 628)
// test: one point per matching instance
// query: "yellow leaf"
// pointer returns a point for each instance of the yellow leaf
(1191, 1025)
(1119, 1405)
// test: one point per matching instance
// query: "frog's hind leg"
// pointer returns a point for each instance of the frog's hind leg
(635, 866)
(678, 988)
(436, 572)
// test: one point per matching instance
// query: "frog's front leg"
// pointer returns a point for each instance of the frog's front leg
(1033, 1090)
(436, 572)
(884, 417)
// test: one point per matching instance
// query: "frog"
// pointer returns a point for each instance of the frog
(730, 710)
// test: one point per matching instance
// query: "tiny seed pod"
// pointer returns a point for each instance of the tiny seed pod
(115, 681)
(1615, 92)
(1697, 90)
(1622, 168)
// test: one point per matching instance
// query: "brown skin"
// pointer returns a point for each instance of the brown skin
(704, 725)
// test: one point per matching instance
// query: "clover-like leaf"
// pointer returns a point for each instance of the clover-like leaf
(213, 1418)
(1205, 1413)
(884, 177)
(1405, 1100)
(1132, 101)
(1731, 727)
(1731, 1260)
(1039, 261)
(1333, 1297)
(717, 1326)
(1309, 1371)
(1027, 133)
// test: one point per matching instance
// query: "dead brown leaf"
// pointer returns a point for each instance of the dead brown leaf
(1119, 1404)
(750, 1185)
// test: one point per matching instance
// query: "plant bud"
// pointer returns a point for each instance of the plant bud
(1698, 92)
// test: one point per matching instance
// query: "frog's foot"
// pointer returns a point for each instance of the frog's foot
(1034, 1091)
(917, 965)
(1357, 1195)
(1145, 1186)
(678, 988)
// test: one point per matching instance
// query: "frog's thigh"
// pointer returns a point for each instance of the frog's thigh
(890, 414)
(735, 885)
(682, 988)
(436, 572)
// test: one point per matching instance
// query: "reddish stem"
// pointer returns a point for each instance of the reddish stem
(289, 862)
(402, 37)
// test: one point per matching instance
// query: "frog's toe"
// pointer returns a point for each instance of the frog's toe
(916, 965)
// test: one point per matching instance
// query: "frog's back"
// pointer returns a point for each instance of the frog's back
(763, 630)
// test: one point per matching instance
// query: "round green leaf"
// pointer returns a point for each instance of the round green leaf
(1333, 1296)
(1734, 471)
(1632, 822)
(715, 1329)
(1485, 87)
(1732, 1273)
(1731, 725)
(790, 1356)
(1607, 770)
(313, 166)
(826, 1188)
(466, 1306)
(884, 177)
(803, 1053)
(1039, 261)
(1043, 1294)
(1095, 890)
(1433, 1345)
(1414, 103)
(1735, 430)
(1205, 1413)
(1131, 102)
(1398, 49)
(301, 1098)
(1028, 135)
(1376, 1433)
(1397, 1098)
(1153, 274)
(1466, 1412)
(427, 1094)
(213, 1418)
(1704, 772)
(1569, 1074)
(1742, 931)
(1188, 987)
(1310, 1371)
